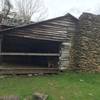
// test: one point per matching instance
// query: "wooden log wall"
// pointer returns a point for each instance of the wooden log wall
(61, 29)
(69, 48)
(54, 29)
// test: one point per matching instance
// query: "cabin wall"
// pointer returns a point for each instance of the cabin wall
(54, 30)
(69, 47)
(60, 29)
(84, 51)
(79, 40)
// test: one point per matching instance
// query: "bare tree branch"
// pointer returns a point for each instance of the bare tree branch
(5, 9)
(24, 11)
(28, 8)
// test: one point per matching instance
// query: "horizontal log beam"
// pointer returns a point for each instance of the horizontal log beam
(28, 70)
(40, 38)
(44, 33)
(29, 54)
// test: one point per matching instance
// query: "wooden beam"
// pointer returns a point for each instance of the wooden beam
(39, 38)
(0, 48)
(28, 70)
(29, 54)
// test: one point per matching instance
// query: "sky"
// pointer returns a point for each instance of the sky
(75, 7)
(57, 8)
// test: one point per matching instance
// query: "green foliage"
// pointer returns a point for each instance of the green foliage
(65, 86)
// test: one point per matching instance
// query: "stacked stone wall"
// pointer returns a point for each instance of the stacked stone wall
(89, 42)
(75, 49)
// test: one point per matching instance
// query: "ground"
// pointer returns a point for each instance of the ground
(65, 86)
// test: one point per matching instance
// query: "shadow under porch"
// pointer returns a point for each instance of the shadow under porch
(25, 55)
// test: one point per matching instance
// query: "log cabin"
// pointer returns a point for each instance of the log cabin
(42, 47)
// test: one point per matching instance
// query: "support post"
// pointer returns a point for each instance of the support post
(64, 56)
(0, 49)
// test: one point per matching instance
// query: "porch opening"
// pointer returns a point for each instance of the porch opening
(29, 52)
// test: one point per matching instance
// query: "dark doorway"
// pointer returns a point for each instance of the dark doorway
(24, 45)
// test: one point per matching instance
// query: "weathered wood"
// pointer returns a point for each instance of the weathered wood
(29, 54)
(64, 56)
(28, 70)
(56, 29)
(51, 32)
(46, 33)
(58, 32)
(37, 37)
(0, 48)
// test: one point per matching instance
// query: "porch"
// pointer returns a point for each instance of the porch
(28, 56)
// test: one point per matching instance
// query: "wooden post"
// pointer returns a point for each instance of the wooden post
(64, 56)
(0, 48)
(51, 62)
